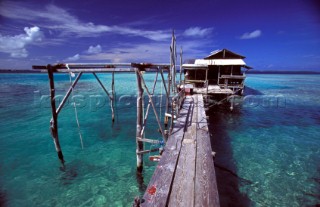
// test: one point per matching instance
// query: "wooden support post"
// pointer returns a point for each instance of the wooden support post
(139, 122)
(207, 82)
(164, 83)
(173, 75)
(113, 99)
(232, 102)
(173, 62)
(242, 86)
(219, 76)
(54, 120)
(180, 65)
(172, 114)
(167, 99)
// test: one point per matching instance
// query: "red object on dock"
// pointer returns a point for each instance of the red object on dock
(155, 158)
(152, 190)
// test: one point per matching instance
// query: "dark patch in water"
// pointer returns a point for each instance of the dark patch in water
(317, 180)
(313, 195)
(251, 91)
(69, 174)
(242, 180)
(316, 116)
(3, 199)
(140, 180)
(227, 179)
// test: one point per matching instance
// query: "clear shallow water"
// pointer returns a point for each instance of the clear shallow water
(270, 143)
(101, 174)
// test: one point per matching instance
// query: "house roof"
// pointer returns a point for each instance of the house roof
(224, 54)
(220, 62)
(222, 57)
(202, 64)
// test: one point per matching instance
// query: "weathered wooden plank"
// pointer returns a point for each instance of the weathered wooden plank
(105, 67)
(182, 193)
(185, 176)
(95, 70)
(205, 182)
(159, 187)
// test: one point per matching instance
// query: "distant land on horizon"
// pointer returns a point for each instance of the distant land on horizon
(248, 72)
(282, 72)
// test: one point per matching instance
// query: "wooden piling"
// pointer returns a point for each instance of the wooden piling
(113, 98)
(54, 119)
(207, 82)
(180, 66)
(167, 99)
(139, 144)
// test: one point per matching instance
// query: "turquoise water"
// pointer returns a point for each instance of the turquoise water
(268, 148)
(271, 143)
(101, 174)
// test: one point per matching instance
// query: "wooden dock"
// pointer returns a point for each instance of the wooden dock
(185, 174)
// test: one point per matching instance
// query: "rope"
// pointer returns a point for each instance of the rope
(72, 75)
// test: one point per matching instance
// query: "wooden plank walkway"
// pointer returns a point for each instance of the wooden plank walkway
(185, 175)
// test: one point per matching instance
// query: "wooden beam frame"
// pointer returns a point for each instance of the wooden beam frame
(148, 107)
(111, 98)
(139, 144)
(153, 106)
(68, 93)
(54, 120)
(111, 68)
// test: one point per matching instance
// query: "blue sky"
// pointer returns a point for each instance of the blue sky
(273, 35)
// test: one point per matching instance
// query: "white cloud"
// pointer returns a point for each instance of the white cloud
(16, 45)
(251, 35)
(59, 19)
(132, 53)
(149, 52)
(73, 58)
(197, 32)
(94, 49)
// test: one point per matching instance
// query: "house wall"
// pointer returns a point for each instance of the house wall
(213, 74)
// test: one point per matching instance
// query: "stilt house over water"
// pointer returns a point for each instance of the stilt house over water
(222, 72)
